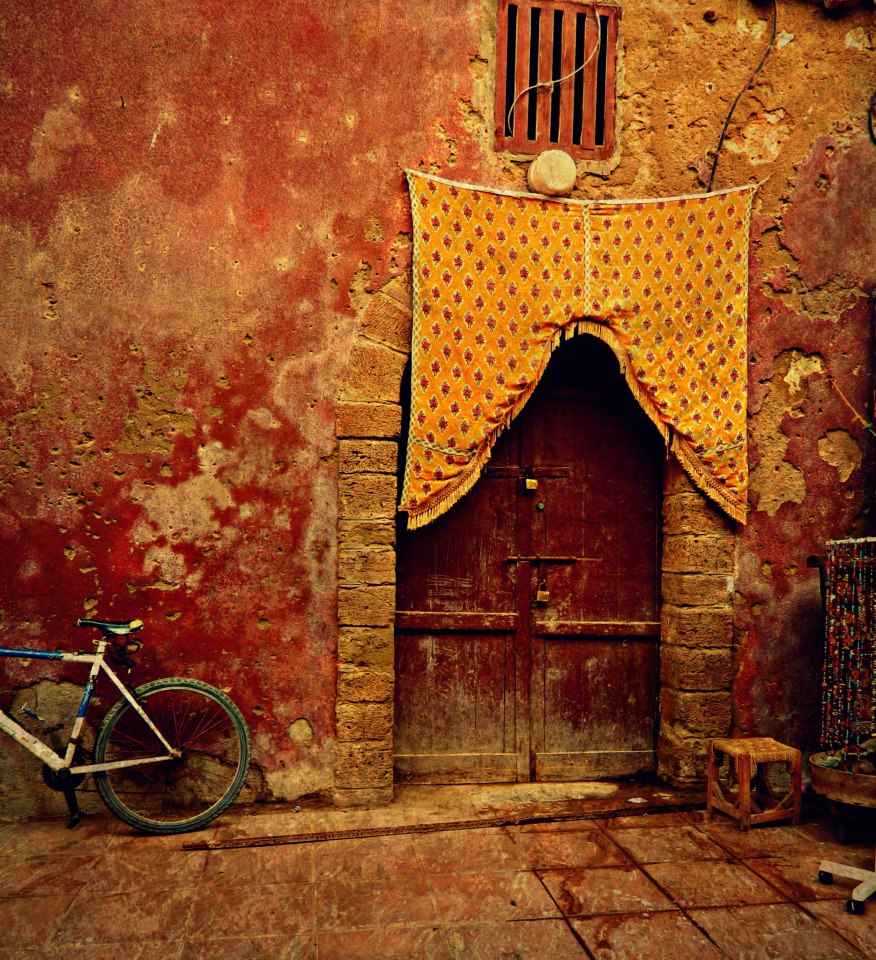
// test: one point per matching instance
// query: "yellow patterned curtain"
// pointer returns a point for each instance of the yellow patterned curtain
(500, 278)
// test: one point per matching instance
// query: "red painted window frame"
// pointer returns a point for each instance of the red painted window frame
(588, 148)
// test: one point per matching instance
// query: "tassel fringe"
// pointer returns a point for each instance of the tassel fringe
(420, 516)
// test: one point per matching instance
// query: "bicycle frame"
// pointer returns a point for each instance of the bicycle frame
(57, 761)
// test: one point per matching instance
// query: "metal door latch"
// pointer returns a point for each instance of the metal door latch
(537, 558)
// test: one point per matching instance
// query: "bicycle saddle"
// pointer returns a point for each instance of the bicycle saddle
(115, 627)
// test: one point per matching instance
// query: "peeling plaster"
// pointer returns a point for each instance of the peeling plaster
(299, 393)
(777, 480)
(859, 39)
(311, 775)
(841, 450)
(264, 418)
(151, 428)
(168, 570)
(757, 29)
(301, 732)
(762, 136)
(60, 132)
(801, 368)
(186, 512)
(831, 225)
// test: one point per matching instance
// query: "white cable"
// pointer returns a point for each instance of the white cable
(550, 84)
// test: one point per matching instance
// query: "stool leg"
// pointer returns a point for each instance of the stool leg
(743, 773)
(711, 781)
(797, 786)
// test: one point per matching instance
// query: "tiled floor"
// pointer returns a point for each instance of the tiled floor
(663, 885)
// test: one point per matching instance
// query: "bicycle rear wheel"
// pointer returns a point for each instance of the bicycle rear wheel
(185, 793)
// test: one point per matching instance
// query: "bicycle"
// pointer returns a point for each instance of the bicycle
(169, 756)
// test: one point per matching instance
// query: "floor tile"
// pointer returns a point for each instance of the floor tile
(826, 831)
(606, 890)
(150, 869)
(645, 936)
(797, 877)
(469, 851)
(491, 896)
(525, 940)
(858, 930)
(442, 896)
(676, 819)
(397, 943)
(46, 837)
(353, 904)
(127, 917)
(302, 947)
(712, 883)
(289, 863)
(661, 844)
(570, 848)
(859, 833)
(366, 858)
(147, 950)
(771, 931)
(28, 921)
(769, 840)
(254, 910)
(557, 826)
(128, 842)
(39, 876)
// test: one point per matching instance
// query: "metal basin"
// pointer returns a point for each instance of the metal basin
(856, 788)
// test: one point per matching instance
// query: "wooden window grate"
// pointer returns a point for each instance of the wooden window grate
(539, 44)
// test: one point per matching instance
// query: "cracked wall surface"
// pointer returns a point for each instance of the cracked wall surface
(204, 226)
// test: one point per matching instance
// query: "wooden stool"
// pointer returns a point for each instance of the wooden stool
(760, 805)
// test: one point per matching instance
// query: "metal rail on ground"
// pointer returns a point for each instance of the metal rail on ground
(360, 832)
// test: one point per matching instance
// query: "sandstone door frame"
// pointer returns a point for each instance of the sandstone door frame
(696, 636)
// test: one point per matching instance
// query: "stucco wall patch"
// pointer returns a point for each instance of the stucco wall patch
(841, 450)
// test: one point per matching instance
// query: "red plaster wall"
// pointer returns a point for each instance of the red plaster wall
(198, 197)
(195, 197)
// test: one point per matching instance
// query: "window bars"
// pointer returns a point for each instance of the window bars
(555, 77)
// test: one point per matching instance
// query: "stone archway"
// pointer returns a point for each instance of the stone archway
(696, 660)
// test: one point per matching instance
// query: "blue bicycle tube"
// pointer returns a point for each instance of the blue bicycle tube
(31, 654)
(86, 697)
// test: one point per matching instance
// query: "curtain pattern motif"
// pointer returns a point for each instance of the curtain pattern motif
(500, 279)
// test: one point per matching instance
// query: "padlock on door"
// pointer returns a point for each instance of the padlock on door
(542, 594)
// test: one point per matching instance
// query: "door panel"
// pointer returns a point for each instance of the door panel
(458, 563)
(462, 686)
(495, 685)
(456, 629)
(595, 712)
(595, 704)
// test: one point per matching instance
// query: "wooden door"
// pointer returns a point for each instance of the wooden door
(527, 620)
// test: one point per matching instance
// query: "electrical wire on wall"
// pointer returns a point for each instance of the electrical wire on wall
(747, 87)
(855, 413)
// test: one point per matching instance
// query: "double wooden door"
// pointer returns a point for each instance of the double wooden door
(527, 618)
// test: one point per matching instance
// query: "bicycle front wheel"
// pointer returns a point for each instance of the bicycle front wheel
(186, 792)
